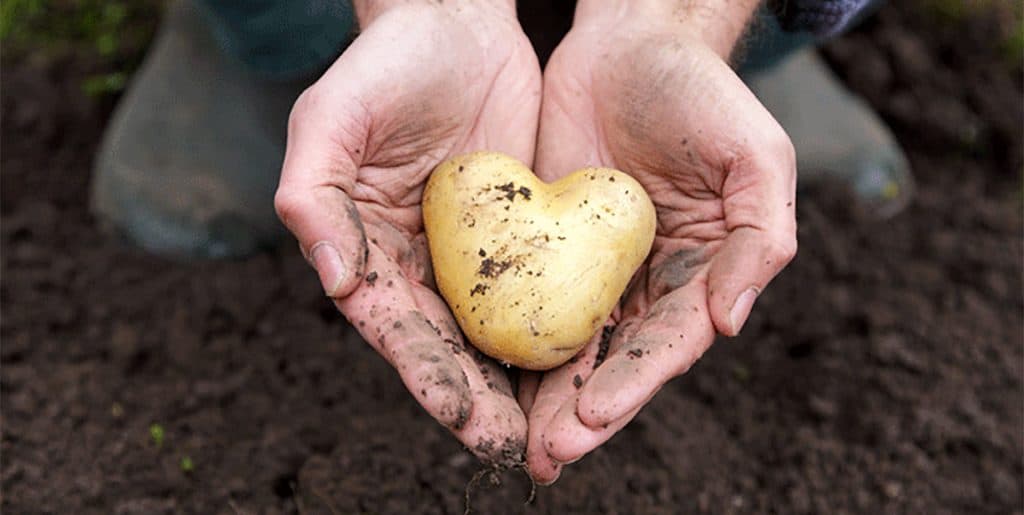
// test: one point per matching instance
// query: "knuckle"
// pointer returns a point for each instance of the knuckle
(780, 147)
(772, 147)
(771, 155)
(303, 105)
(287, 206)
(783, 248)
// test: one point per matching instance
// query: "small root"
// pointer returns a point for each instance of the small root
(533, 486)
(492, 473)
(473, 482)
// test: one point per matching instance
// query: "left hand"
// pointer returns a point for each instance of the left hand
(653, 98)
(423, 82)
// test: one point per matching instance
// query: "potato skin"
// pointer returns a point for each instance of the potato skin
(532, 270)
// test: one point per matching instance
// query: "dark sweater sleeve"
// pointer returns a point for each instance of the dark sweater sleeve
(822, 18)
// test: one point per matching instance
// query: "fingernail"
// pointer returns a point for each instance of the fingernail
(558, 473)
(568, 462)
(741, 309)
(329, 266)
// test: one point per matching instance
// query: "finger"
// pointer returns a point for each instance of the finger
(384, 310)
(312, 198)
(556, 388)
(673, 335)
(330, 234)
(541, 467)
(567, 438)
(746, 262)
(496, 428)
(529, 383)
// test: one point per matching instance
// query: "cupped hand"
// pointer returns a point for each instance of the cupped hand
(660, 104)
(423, 81)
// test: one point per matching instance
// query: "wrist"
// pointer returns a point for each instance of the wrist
(718, 24)
(369, 10)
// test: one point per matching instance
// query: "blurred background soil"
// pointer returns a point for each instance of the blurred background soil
(880, 373)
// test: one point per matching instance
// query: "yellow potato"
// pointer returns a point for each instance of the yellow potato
(532, 270)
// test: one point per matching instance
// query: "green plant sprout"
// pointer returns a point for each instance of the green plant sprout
(156, 433)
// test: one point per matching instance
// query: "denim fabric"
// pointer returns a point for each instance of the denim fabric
(822, 18)
(769, 43)
(766, 44)
(281, 39)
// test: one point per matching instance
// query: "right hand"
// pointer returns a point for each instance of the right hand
(423, 82)
(644, 87)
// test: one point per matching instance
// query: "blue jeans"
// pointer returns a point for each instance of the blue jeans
(768, 44)
(281, 39)
(287, 39)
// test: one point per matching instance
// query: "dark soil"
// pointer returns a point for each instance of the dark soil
(881, 372)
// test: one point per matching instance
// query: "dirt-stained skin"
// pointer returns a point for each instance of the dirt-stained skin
(677, 270)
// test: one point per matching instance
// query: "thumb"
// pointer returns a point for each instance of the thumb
(759, 203)
(312, 198)
(760, 213)
(739, 272)
(330, 233)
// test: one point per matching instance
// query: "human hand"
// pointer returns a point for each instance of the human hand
(649, 92)
(424, 81)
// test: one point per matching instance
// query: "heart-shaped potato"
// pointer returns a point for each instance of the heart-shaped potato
(532, 270)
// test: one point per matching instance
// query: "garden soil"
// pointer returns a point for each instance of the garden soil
(880, 373)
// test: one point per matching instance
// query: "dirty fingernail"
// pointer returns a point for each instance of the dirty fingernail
(741, 309)
(329, 266)
(554, 477)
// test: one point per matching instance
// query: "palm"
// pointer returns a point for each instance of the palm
(456, 95)
(386, 113)
(674, 116)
